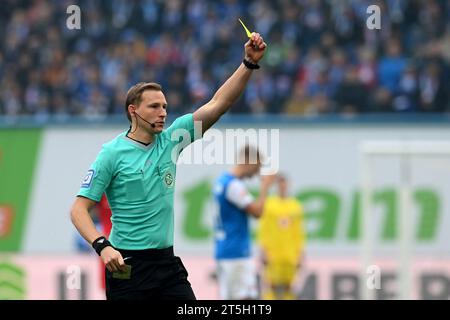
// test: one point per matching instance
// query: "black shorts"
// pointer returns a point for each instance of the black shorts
(156, 274)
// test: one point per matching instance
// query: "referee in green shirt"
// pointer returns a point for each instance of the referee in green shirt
(137, 172)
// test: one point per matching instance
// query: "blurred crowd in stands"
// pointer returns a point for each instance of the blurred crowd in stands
(321, 56)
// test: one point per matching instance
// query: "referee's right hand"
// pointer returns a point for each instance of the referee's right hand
(113, 260)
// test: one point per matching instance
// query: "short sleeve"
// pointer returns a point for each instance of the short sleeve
(238, 194)
(98, 176)
(183, 132)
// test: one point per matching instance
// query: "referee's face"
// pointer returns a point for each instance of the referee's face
(153, 108)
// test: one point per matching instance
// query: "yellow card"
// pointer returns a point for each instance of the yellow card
(249, 34)
(124, 275)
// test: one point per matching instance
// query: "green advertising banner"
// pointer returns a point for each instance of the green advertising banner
(328, 213)
(34, 193)
(18, 154)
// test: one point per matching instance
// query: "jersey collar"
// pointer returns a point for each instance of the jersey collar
(137, 143)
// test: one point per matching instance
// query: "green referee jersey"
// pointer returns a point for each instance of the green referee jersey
(139, 182)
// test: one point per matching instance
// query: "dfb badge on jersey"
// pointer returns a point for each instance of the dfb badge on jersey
(88, 179)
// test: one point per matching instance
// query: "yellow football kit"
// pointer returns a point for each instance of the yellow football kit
(282, 238)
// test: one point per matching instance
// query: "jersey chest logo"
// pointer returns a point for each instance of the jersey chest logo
(284, 222)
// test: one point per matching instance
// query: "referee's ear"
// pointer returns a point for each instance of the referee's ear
(131, 110)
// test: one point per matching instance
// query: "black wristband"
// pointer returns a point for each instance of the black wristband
(100, 243)
(250, 65)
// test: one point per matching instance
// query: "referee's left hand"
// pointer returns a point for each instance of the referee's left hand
(255, 48)
(113, 260)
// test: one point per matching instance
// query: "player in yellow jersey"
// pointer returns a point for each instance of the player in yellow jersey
(282, 240)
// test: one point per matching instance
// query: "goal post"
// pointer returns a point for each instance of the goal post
(405, 151)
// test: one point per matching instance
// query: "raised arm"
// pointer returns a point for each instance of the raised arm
(256, 208)
(230, 91)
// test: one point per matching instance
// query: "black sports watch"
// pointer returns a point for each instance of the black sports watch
(250, 65)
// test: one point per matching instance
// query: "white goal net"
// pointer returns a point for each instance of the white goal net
(405, 220)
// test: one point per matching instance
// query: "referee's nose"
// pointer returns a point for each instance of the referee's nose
(163, 113)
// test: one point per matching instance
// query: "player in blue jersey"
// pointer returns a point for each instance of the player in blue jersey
(137, 172)
(236, 272)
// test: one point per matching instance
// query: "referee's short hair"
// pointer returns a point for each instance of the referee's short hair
(134, 94)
